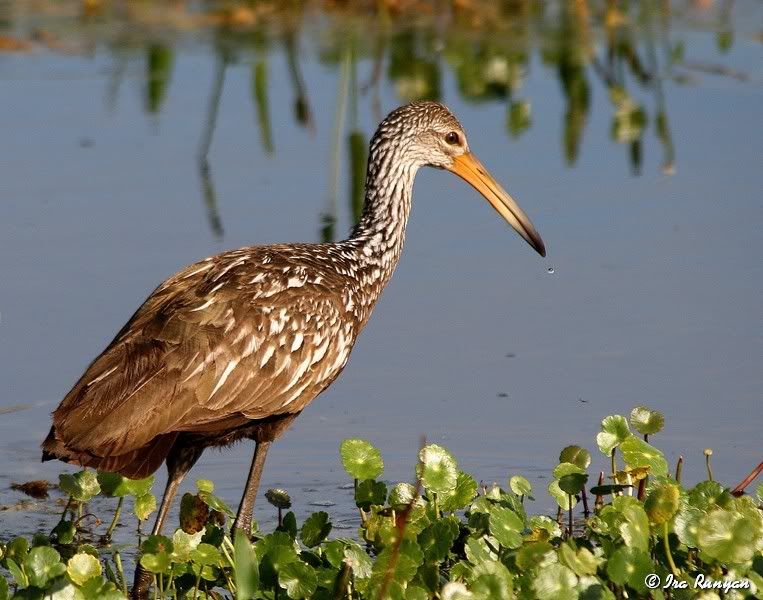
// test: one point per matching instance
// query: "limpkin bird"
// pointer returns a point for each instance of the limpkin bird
(236, 345)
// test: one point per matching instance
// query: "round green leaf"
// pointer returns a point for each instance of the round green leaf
(82, 567)
(614, 430)
(707, 495)
(18, 574)
(112, 484)
(299, 580)
(64, 532)
(531, 556)
(629, 566)
(206, 554)
(506, 526)
(157, 543)
(42, 564)
(730, 536)
(315, 529)
(461, 495)
(646, 421)
(638, 453)
(144, 506)
(662, 502)
(82, 486)
(156, 563)
(409, 559)
(520, 486)
(562, 498)
(555, 582)
(183, 543)
(361, 459)
(437, 469)
(358, 560)
(542, 523)
(401, 495)
(139, 487)
(686, 525)
(566, 468)
(573, 483)
(634, 527)
(581, 561)
(492, 580)
(436, 539)
(370, 492)
(575, 455)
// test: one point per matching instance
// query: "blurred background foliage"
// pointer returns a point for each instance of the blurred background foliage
(485, 46)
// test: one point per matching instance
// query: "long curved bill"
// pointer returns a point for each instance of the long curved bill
(472, 171)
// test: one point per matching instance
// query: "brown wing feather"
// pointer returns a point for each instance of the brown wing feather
(247, 334)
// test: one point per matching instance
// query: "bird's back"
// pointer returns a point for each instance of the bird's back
(241, 336)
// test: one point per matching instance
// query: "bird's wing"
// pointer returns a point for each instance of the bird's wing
(235, 335)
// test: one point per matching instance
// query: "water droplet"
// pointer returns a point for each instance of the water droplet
(550, 270)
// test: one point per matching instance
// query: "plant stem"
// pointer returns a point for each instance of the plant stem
(709, 468)
(641, 488)
(569, 503)
(586, 512)
(739, 489)
(673, 568)
(435, 505)
(120, 571)
(66, 508)
(614, 462)
(117, 514)
(679, 468)
(196, 585)
(599, 500)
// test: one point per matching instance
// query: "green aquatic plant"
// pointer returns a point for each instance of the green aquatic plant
(438, 537)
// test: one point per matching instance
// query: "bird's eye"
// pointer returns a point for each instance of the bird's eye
(452, 138)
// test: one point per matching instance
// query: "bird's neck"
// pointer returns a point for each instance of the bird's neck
(380, 232)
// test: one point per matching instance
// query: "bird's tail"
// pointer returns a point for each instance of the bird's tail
(135, 464)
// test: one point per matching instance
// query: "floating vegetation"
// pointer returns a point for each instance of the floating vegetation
(442, 536)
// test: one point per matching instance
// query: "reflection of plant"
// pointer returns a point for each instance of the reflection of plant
(444, 536)
(159, 62)
(415, 73)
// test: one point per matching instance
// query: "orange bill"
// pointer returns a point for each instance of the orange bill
(471, 170)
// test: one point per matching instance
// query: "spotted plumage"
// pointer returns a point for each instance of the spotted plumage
(236, 345)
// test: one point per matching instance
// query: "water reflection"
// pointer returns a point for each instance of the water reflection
(627, 49)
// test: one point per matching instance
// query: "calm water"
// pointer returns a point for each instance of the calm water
(636, 151)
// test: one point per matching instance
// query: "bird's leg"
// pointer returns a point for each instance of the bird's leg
(246, 508)
(179, 462)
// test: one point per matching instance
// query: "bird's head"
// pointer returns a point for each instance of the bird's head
(428, 134)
